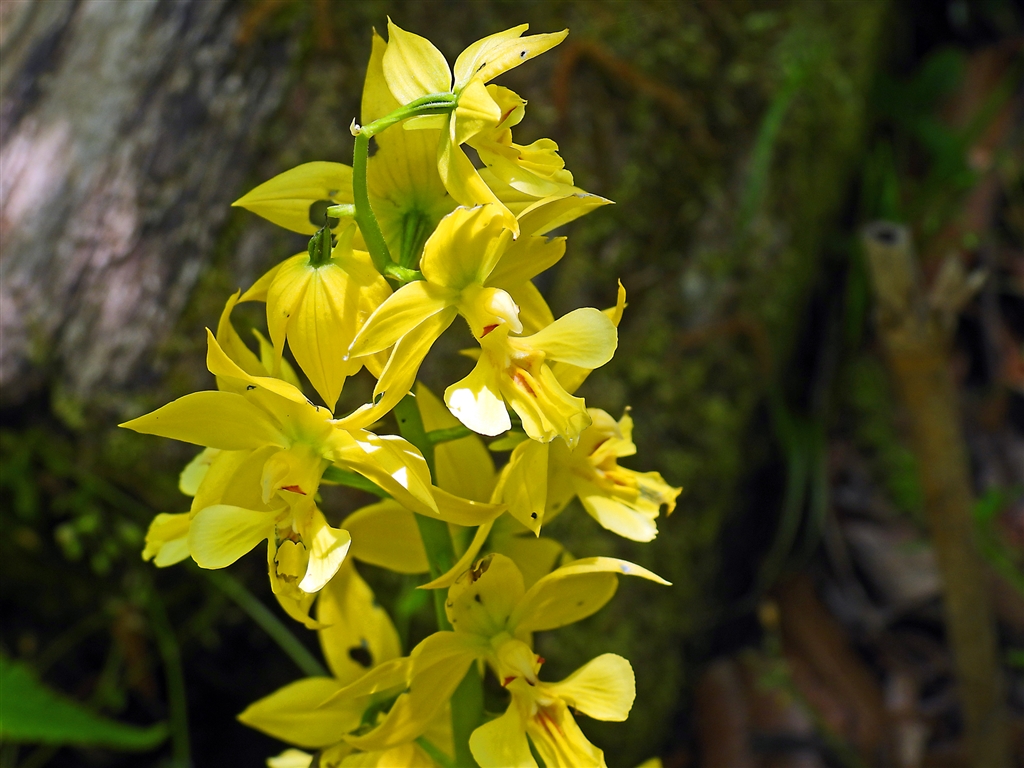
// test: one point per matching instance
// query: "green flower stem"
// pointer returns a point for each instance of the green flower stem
(341, 476)
(432, 104)
(468, 699)
(174, 676)
(438, 436)
(270, 624)
(367, 222)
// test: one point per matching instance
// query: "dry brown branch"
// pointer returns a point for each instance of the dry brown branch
(916, 342)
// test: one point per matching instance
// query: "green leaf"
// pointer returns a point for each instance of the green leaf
(30, 712)
(352, 480)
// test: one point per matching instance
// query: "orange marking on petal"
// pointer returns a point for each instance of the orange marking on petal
(488, 329)
(520, 379)
(507, 680)
(547, 721)
(293, 489)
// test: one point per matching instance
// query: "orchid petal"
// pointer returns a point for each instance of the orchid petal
(295, 713)
(584, 337)
(222, 420)
(465, 246)
(502, 743)
(572, 593)
(358, 633)
(476, 400)
(221, 534)
(289, 198)
(603, 688)
(385, 534)
(463, 467)
(476, 56)
(167, 539)
(400, 314)
(328, 547)
(413, 67)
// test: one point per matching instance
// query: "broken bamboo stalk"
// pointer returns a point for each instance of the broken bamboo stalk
(915, 332)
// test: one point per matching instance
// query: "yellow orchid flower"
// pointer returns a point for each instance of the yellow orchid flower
(275, 446)
(467, 263)
(317, 302)
(362, 651)
(404, 187)
(515, 370)
(167, 539)
(298, 199)
(385, 534)
(541, 479)
(414, 68)
(537, 170)
(622, 500)
(494, 616)
(604, 689)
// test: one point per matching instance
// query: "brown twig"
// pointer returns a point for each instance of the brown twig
(915, 336)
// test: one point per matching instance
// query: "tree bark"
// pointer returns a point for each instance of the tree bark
(125, 130)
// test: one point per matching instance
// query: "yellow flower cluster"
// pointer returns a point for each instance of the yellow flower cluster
(403, 242)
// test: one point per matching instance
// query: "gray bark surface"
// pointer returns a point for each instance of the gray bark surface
(125, 129)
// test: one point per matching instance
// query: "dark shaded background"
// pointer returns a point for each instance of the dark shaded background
(745, 145)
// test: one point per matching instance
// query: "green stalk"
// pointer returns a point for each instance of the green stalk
(432, 104)
(468, 699)
(367, 222)
(174, 676)
(270, 624)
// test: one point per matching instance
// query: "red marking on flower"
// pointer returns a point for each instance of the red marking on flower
(540, 659)
(507, 680)
(293, 489)
(548, 722)
(519, 378)
(488, 329)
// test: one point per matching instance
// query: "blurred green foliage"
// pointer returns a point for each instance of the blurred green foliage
(33, 713)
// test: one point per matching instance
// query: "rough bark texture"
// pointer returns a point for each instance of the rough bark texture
(723, 132)
(126, 130)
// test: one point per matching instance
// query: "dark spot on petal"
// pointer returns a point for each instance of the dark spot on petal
(250, 388)
(522, 54)
(579, 604)
(533, 515)
(480, 568)
(318, 213)
(478, 598)
(361, 655)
